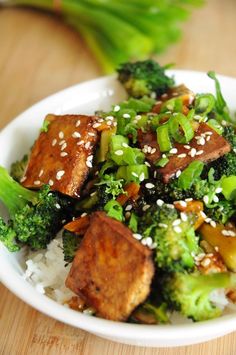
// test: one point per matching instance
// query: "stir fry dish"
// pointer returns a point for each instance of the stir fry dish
(145, 196)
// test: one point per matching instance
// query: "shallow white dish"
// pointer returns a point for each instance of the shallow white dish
(17, 138)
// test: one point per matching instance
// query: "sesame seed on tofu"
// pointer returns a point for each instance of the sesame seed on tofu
(65, 163)
(112, 270)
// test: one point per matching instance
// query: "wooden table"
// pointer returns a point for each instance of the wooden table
(39, 56)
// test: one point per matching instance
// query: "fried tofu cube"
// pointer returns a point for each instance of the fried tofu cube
(62, 155)
(207, 145)
(112, 271)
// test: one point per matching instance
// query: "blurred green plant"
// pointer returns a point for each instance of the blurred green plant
(118, 31)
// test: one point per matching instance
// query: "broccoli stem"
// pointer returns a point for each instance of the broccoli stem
(13, 195)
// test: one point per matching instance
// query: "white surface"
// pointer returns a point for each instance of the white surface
(17, 138)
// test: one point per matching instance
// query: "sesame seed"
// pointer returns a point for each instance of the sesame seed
(208, 220)
(62, 142)
(23, 179)
(201, 141)
(182, 155)
(80, 142)
(188, 199)
(100, 120)
(125, 145)
(164, 96)
(41, 172)
(205, 262)
(162, 225)
(177, 229)
(203, 214)
(138, 117)
(173, 151)
(109, 123)
(50, 182)
(93, 193)
(64, 145)
(218, 190)
(192, 152)
(149, 149)
(187, 147)
(128, 208)
(169, 205)
(208, 138)
(116, 108)
(183, 216)
(216, 248)
(89, 164)
(142, 177)
(91, 134)
(224, 232)
(59, 174)
(147, 163)
(84, 214)
(199, 152)
(213, 224)
(149, 185)
(119, 152)
(96, 125)
(146, 207)
(206, 199)
(90, 158)
(54, 142)
(163, 156)
(137, 236)
(109, 118)
(76, 134)
(77, 123)
(153, 150)
(178, 173)
(87, 145)
(134, 174)
(153, 95)
(216, 199)
(57, 206)
(182, 203)
(61, 135)
(148, 241)
(126, 115)
(208, 133)
(176, 222)
(159, 202)
(37, 182)
(114, 124)
(63, 154)
(232, 234)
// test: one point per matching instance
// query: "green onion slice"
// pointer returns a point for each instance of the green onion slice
(163, 138)
(180, 128)
(190, 174)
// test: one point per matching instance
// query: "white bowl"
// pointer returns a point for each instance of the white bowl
(17, 138)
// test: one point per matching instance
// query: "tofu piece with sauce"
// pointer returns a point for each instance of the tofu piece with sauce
(207, 145)
(112, 271)
(62, 155)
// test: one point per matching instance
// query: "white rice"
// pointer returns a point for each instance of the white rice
(47, 272)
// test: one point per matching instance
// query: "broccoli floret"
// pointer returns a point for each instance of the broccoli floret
(143, 78)
(175, 238)
(226, 165)
(190, 293)
(71, 242)
(35, 216)
(18, 168)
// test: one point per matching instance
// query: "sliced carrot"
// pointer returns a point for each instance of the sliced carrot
(79, 225)
(195, 207)
(132, 190)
